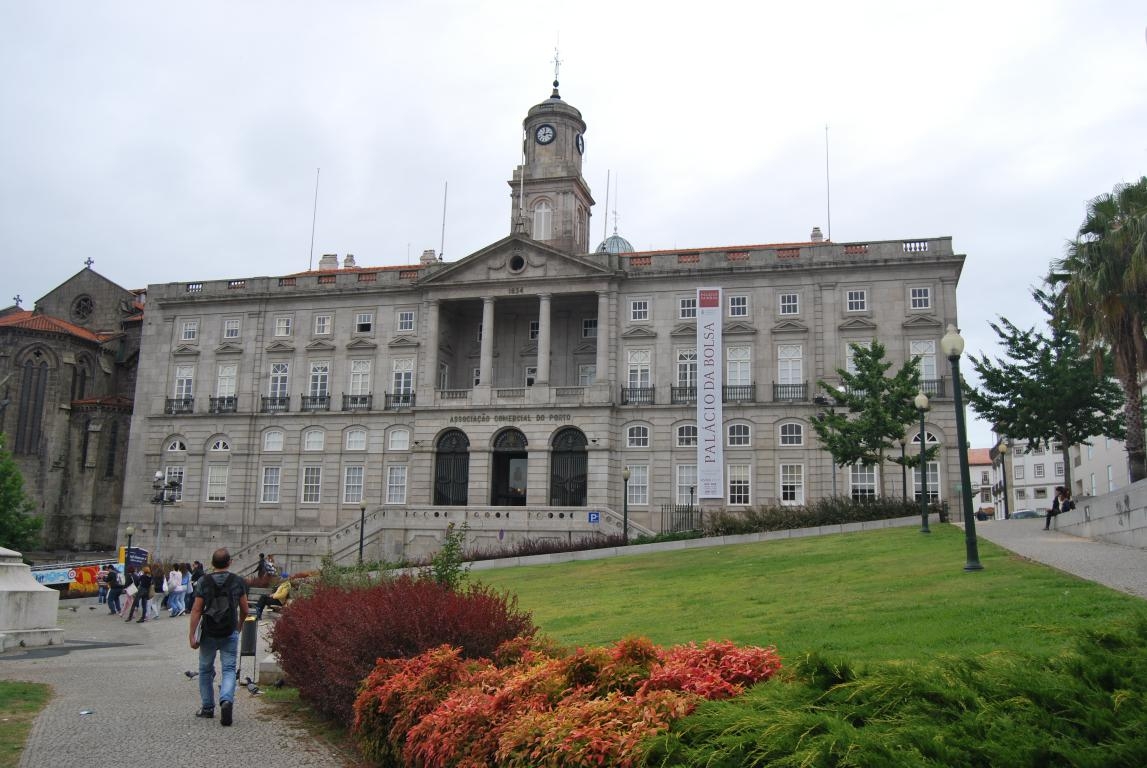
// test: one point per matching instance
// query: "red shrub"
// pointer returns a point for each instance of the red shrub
(329, 642)
(716, 670)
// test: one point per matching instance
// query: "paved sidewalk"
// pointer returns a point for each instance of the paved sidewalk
(1121, 568)
(130, 677)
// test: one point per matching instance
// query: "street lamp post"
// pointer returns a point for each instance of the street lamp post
(1003, 450)
(903, 472)
(625, 506)
(952, 345)
(921, 403)
(130, 531)
(361, 529)
(822, 401)
(165, 493)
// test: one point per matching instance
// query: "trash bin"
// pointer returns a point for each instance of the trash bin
(248, 637)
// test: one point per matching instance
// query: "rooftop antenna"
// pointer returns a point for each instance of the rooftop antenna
(616, 194)
(605, 218)
(827, 186)
(314, 217)
(442, 244)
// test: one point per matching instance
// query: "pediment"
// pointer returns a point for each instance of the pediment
(857, 324)
(403, 342)
(790, 326)
(229, 349)
(640, 332)
(185, 350)
(738, 328)
(515, 258)
(361, 344)
(320, 345)
(585, 348)
(280, 346)
(684, 329)
(922, 321)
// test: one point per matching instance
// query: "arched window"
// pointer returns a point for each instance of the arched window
(637, 436)
(543, 220)
(220, 444)
(568, 465)
(933, 476)
(176, 445)
(356, 439)
(33, 389)
(791, 434)
(273, 440)
(452, 469)
(687, 436)
(509, 468)
(314, 440)
(739, 436)
(398, 439)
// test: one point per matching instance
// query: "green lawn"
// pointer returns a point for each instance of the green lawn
(883, 595)
(19, 705)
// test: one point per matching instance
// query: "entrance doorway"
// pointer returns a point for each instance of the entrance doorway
(509, 469)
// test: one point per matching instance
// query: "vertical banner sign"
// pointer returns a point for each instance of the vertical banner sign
(710, 446)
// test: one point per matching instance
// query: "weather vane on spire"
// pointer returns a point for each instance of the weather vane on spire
(557, 66)
(17, 299)
(89, 262)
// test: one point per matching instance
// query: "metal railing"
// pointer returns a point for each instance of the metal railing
(740, 393)
(399, 400)
(677, 518)
(933, 387)
(357, 402)
(224, 404)
(790, 391)
(683, 395)
(637, 395)
(275, 403)
(315, 402)
(179, 405)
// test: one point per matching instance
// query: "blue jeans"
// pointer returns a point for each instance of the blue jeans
(228, 650)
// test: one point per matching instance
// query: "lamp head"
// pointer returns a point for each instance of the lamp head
(362, 507)
(625, 474)
(952, 345)
(158, 475)
(1003, 448)
(130, 530)
(921, 401)
(902, 441)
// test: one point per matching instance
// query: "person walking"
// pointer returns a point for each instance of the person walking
(115, 592)
(102, 584)
(196, 575)
(143, 591)
(220, 604)
(174, 590)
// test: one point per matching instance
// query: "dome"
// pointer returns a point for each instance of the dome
(615, 243)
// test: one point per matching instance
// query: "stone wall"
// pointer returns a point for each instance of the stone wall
(1119, 517)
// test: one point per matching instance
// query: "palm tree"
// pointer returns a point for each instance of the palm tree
(1103, 281)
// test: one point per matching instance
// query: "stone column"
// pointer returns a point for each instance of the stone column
(603, 330)
(543, 339)
(486, 364)
(430, 371)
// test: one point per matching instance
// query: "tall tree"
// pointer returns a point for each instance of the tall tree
(19, 529)
(879, 409)
(1103, 282)
(1045, 389)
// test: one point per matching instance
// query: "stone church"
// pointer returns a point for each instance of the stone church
(541, 387)
(67, 382)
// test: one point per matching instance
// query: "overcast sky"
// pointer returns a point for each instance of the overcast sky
(180, 141)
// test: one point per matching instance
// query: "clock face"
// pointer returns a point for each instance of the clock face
(580, 144)
(544, 134)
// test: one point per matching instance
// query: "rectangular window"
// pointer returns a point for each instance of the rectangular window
(1037, 470)
(687, 436)
(686, 483)
(190, 330)
(322, 325)
(364, 322)
(535, 329)
(1018, 471)
(792, 484)
(586, 374)
(476, 375)
(850, 354)
(933, 482)
(1041, 493)
(738, 484)
(1059, 469)
(687, 367)
(406, 321)
(738, 364)
(356, 440)
(639, 375)
(862, 478)
(985, 478)
(589, 328)
(360, 377)
(1021, 493)
(925, 351)
(280, 380)
(738, 306)
(217, 482)
(399, 440)
(790, 303)
(312, 485)
(320, 378)
(231, 328)
(174, 475)
(790, 364)
(531, 375)
(352, 484)
(479, 331)
(403, 379)
(920, 298)
(396, 484)
(857, 300)
(282, 326)
(271, 479)
(638, 483)
(687, 308)
(184, 381)
(639, 310)
(225, 380)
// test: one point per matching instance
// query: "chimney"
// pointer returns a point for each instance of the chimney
(329, 261)
(816, 235)
(428, 257)
(348, 262)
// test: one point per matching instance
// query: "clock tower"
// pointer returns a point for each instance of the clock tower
(551, 201)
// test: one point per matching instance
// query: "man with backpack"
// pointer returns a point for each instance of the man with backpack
(216, 615)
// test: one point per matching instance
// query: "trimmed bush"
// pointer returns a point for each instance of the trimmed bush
(830, 511)
(328, 642)
(594, 707)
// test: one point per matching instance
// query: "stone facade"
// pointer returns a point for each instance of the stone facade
(68, 373)
(508, 390)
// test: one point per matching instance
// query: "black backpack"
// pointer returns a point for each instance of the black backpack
(220, 609)
(113, 579)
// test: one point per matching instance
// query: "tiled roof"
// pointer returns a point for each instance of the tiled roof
(33, 321)
(114, 401)
(338, 270)
(979, 456)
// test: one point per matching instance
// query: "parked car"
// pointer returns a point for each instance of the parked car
(1025, 513)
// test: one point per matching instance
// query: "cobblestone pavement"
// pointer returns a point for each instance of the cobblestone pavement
(129, 679)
